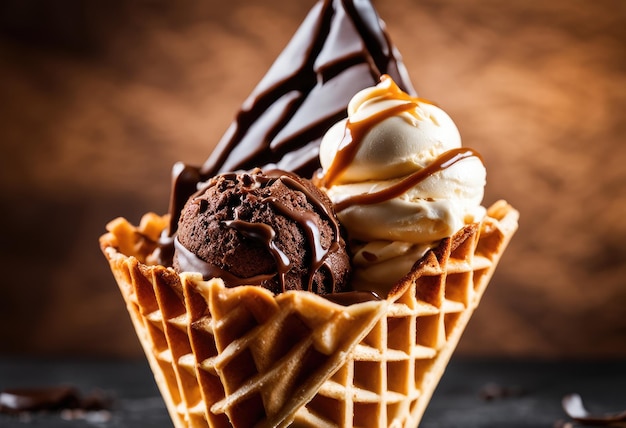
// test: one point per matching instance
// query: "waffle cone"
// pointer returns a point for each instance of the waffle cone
(244, 357)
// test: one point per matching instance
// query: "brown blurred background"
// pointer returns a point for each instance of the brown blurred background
(99, 99)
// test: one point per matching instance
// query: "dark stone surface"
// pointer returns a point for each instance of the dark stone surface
(472, 393)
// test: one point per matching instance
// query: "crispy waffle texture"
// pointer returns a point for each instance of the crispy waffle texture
(244, 357)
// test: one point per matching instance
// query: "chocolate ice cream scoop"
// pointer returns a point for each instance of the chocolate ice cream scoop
(271, 229)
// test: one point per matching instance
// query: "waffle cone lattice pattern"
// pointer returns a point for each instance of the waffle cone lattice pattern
(243, 357)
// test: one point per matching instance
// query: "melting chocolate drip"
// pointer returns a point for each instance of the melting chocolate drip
(340, 48)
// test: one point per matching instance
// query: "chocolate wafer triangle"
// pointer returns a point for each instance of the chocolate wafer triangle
(339, 49)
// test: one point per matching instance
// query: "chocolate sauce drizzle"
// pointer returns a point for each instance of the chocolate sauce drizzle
(340, 48)
(319, 254)
(266, 235)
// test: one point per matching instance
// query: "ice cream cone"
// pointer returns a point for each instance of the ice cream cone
(244, 357)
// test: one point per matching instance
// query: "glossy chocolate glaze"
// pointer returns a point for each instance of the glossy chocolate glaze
(340, 48)
(265, 234)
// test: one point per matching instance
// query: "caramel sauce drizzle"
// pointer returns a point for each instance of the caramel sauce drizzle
(444, 161)
(355, 132)
(352, 139)
(352, 136)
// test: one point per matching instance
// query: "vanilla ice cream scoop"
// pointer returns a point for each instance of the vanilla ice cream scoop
(396, 171)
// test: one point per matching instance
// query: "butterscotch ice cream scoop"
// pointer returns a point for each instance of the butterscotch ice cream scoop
(270, 229)
(397, 162)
